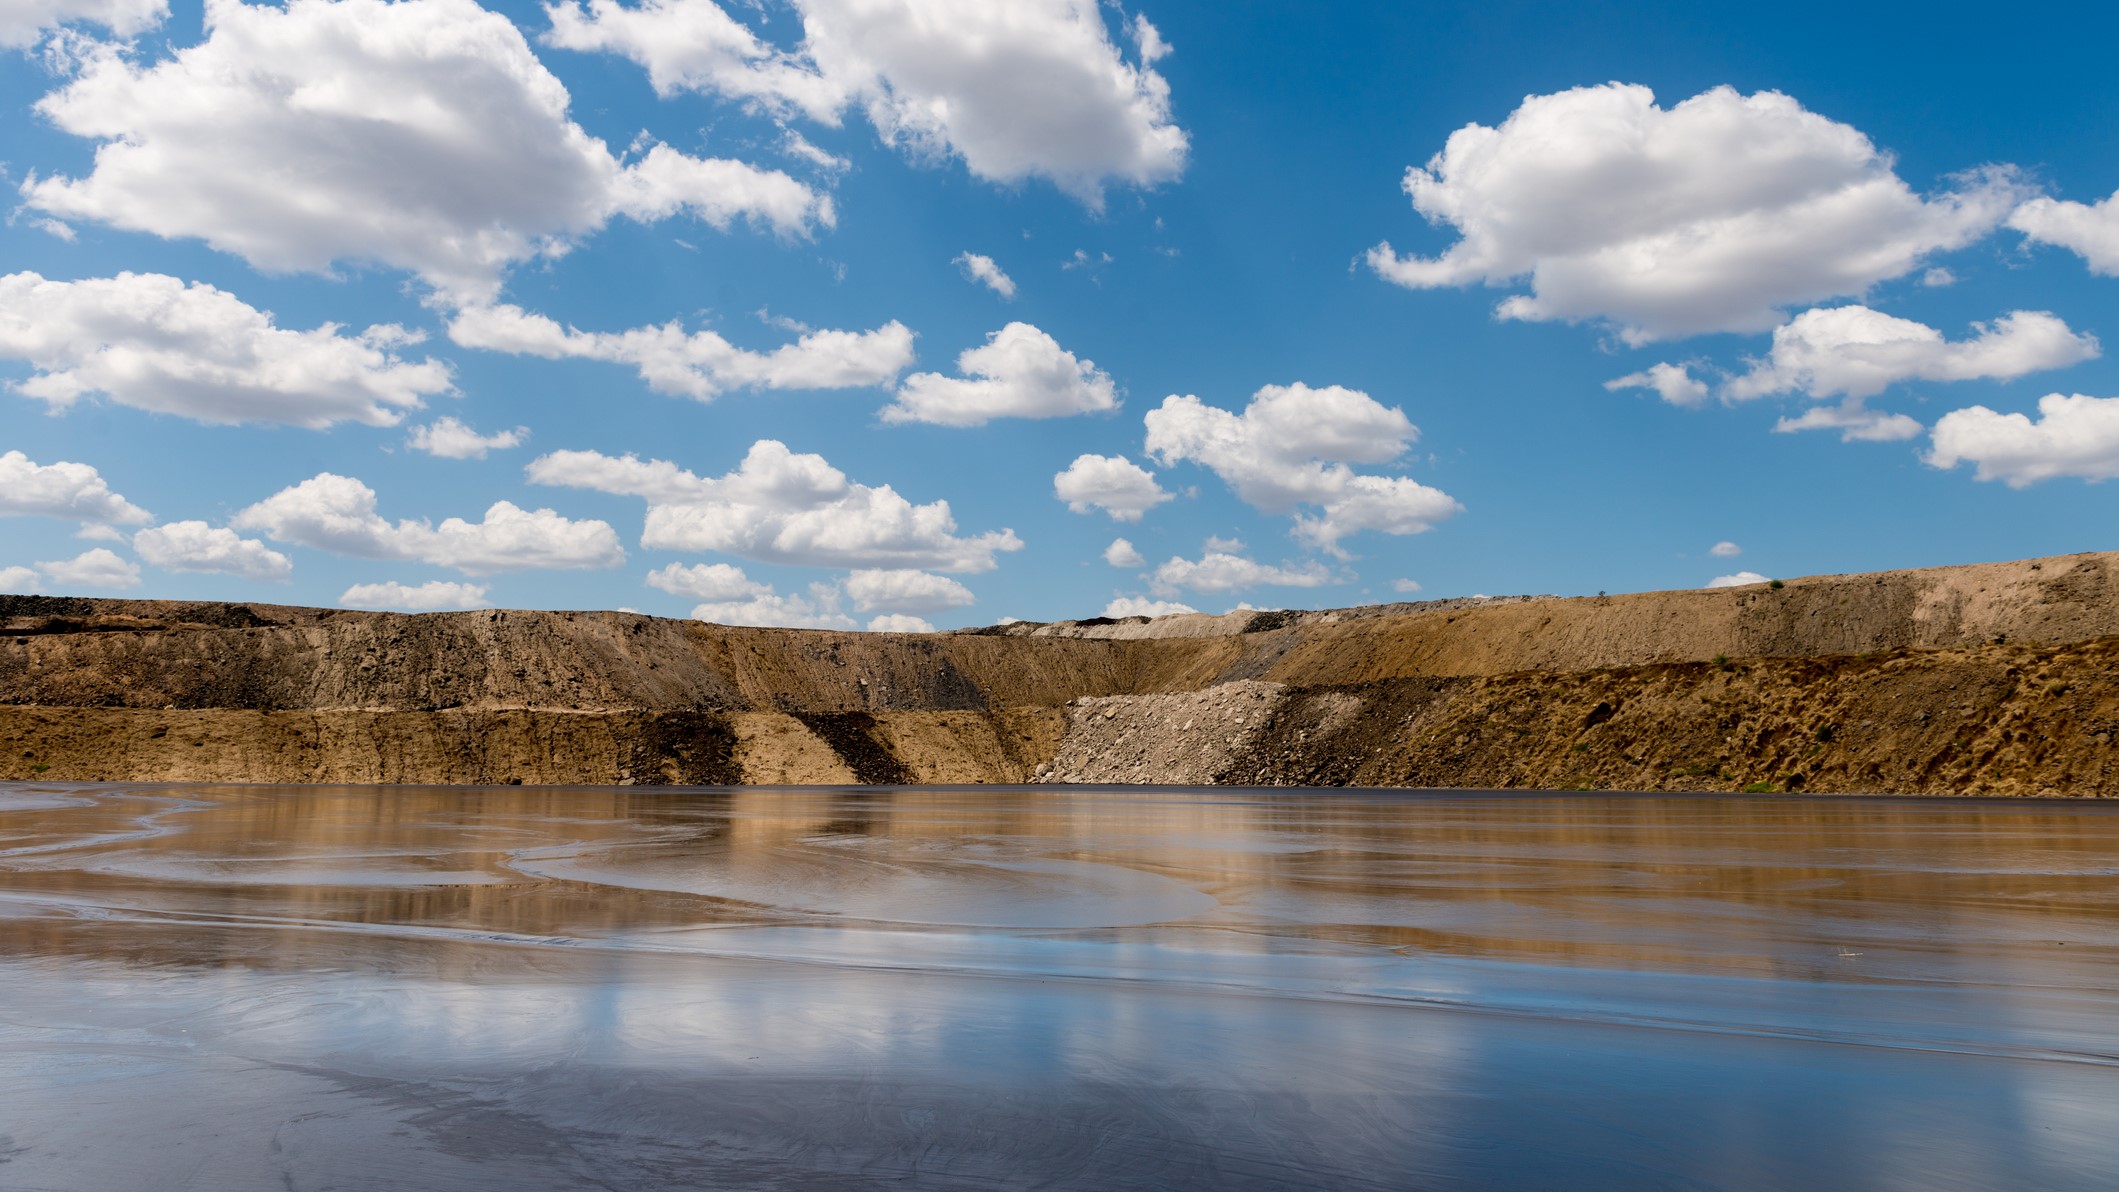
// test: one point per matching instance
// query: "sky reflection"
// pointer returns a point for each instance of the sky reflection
(532, 988)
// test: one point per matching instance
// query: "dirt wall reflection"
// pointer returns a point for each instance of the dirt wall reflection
(532, 988)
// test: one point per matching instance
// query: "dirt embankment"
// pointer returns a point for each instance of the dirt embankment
(1995, 678)
(1994, 720)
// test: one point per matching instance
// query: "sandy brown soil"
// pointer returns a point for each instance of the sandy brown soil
(1993, 720)
(1995, 678)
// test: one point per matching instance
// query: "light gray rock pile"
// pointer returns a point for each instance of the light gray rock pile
(1187, 738)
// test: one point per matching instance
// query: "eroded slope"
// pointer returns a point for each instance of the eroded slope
(1994, 677)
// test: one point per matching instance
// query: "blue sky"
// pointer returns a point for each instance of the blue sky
(1640, 242)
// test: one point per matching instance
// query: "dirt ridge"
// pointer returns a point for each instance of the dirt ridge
(1709, 689)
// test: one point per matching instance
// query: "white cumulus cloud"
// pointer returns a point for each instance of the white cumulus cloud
(899, 623)
(1725, 550)
(1141, 606)
(981, 269)
(905, 590)
(450, 438)
(1707, 216)
(1740, 579)
(696, 364)
(2090, 230)
(1405, 587)
(730, 597)
(337, 513)
(802, 149)
(2072, 436)
(1222, 571)
(780, 507)
(23, 22)
(20, 579)
(196, 546)
(98, 568)
(1855, 422)
(1112, 483)
(155, 343)
(1019, 372)
(1122, 553)
(74, 492)
(818, 610)
(423, 135)
(707, 581)
(1292, 447)
(1853, 351)
(1673, 383)
(1034, 88)
(432, 596)
(695, 45)
(1281, 450)
(1026, 89)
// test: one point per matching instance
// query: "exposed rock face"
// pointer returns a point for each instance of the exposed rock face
(1997, 678)
(1187, 737)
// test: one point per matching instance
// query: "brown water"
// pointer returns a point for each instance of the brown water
(522, 989)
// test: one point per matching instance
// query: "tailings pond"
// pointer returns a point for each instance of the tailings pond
(630, 988)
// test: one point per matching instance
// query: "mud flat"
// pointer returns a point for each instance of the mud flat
(1985, 679)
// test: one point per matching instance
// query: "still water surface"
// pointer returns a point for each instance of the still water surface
(523, 989)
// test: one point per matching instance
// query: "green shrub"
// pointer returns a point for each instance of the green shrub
(1759, 788)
